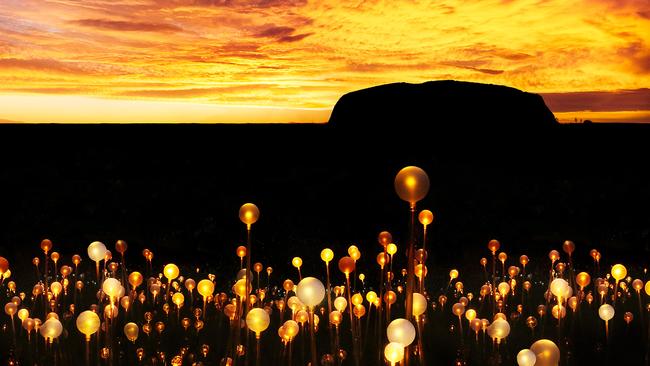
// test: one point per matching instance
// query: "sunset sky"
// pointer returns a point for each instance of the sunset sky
(290, 60)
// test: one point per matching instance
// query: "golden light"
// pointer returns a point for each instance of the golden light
(391, 249)
(554, 255)
(499, 329)
(205, 288)
(453, 274)
(458, 309)
(493, 246)
(346, 265)
(171, 271)
(558, 311)
(46, 245)
(401, 331)
(546, 353)
(97, 251)
(606, 312)
(411, 184)
(382, 259)
(296, 262)
(178, 299)
(371, 296)
(619, 272)
(340, 304)
(470, 314)
(384, 238)
(88, 323)
(523, 260)
(394, 352)
(51, 329)
(354, 252)
(425, 217)
(327, 255)
(111, 287)
(249, 214)
(131, 331)
(257, 320)
(568, 246)
(336, 317)
(359, 310)
(583, 279)
(526, 357)
(310, 291)
(419, 304)
(240, 288)
(241, 251)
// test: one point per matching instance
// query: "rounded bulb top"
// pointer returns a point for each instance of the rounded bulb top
(411, 184)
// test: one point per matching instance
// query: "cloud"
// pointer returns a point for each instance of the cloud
(599, 101)
(125, 26)
(192, 92)
(282, 34)
(47, 65)
(248, 3)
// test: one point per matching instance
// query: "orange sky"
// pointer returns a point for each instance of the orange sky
(290, 60)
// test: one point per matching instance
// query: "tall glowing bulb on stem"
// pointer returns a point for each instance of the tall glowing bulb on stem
(311, 292)
(394, 352)
(97, 252)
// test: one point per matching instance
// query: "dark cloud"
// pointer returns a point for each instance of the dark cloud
(638, 55)
(126, 26)
(294, 38)
(275, 31)
(599, 101)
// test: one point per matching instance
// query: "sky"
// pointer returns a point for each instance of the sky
(213, 61)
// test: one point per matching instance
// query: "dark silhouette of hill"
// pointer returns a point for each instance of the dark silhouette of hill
(444, 105)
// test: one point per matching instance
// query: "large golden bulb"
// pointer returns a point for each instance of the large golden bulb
(205, 288)
(499, 329)
(51, 329)
(546, 353)
(619, 272)
(340, 303)
(171, 271)
(88, 323)
(111, 287)
(291, 328)
(401, 331)
(97, 251)
(583, 279)
(135, 279)
(249, 213)
(327, 255)
(346, 265)
(296, 262)
(391, 249)
(411, 184)
(257, 320)
(131, 331)
(394, 352)
(178, 299)
(419, 304)
(336, 317)
(310, 291)
(241, 289)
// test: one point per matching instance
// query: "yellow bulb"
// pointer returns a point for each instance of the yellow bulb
(619, 272)
(205, 288)
(391, 249)
(88, 323)
(371, 296)
(249, 214)
(425, 217)
(178, 299)
(327, 255)
(296, 262)
(171, 271)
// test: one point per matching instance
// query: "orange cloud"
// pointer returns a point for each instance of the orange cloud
(297, 55)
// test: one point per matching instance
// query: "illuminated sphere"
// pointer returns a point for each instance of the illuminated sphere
(96, 251)
(419, 304)
(606, 312)
(559, 287)
(4, 265)
(178, 298)
(558, 311)
(391, 249)
(401, 331)
(111, 287)
(385, 238)
(356, 299)
(310, 291)
(546, 353)
(346, 265)
(493, 245)
(583, 279)
(240, 288)
(131, 331)
(425, 217)
(327, 255)
(336, 317)
(458, 309)
(291, 328)
(470, 315)
(296, 262)
(568, 246)
(453, 274)
(46, 245)
(340, 303)
(88, 323)
(11, 308)
(499, 329)
(241, 251)
(205, 288)
(170, 271)
(647, 288)
(249, 213)
(411, 184)
(257, 320)
(523, 260)
(394, 352)
(526, 357)
(619, 272)
(371, 296)
(23, 314)
(51, 329)
(121, 246)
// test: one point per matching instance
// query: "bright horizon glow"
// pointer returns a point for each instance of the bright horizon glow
(212, 61)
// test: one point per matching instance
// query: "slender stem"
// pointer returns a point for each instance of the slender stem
(258, 356)
(314, 354)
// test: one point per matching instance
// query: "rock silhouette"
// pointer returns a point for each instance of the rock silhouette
(441, 105)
